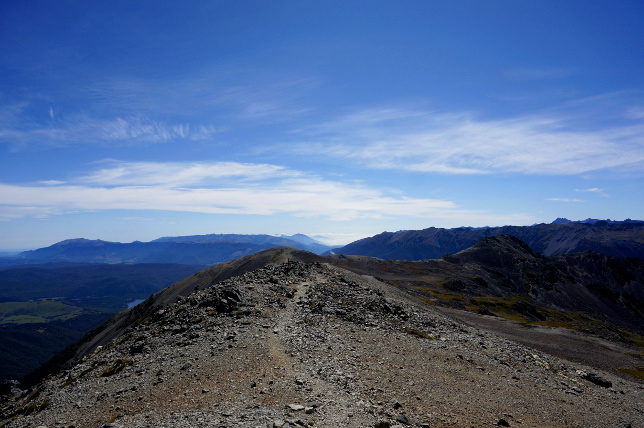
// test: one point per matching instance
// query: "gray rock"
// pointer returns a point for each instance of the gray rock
(402, 418)
(598, 380)
(296, 407)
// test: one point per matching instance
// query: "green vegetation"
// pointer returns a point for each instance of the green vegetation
(432, 278)
(118, 365)
(40, 311)
(519, 309)
(45, 308)
(24, 347)
(447, 297)
(418, 333)
(637, 373)
(513, 309)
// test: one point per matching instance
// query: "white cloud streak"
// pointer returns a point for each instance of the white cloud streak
(183, 174)
(595, 190)
(462, 144)
(268, 190)
(532, 73)
(564, 200)
(87, 130)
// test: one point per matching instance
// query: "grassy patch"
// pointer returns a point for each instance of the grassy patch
(118, 366)
(432, 278)
(520, 309)
(40, 311)
(508, 308)
(418, 333)
(422, 289)
(427, 300)
(634, 338)
(446, 297)
(637, 373)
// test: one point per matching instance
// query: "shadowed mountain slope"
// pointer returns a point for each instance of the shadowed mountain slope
(611, 239)
(501, 275)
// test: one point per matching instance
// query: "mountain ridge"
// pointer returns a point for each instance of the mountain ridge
(612, 239)
(193, 249)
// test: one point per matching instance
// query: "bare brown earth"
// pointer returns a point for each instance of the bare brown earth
(298, 344)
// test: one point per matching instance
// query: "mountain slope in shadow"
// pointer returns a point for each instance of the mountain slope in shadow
(616, 239)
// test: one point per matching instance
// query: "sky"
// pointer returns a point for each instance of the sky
(129, 121)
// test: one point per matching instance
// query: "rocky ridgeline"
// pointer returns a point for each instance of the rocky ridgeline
(314, 345)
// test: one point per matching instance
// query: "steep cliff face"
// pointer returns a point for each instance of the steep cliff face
(280, 341)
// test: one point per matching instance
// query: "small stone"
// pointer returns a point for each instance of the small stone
(503, 423)
(382, 424)
(296, 407)
(299, 382)
(205, 391)
(396, 404)
(309, 410)
(402, 419)
(598, 380)
(278, 423)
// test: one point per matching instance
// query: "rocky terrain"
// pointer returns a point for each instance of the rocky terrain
(280, 339)
(616, 239)
(502, 276)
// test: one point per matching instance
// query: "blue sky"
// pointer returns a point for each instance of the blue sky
(132, 120)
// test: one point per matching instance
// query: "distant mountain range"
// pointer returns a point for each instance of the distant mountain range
(611, 238)
(193, 250)
(595, 220)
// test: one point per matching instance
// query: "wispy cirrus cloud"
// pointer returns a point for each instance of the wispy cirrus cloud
(127, 110)
(595, 190)
(565, 200)
(188, 174)
(86, 130)
(231, 93)
(539, 73)
(418, 140)
(258, 189)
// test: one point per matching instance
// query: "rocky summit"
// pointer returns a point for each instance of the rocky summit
(292, 343)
